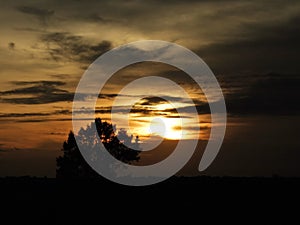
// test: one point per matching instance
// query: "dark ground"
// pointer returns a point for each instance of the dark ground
(52, 201)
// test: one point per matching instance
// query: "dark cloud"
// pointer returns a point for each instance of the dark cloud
(65, 46)
(108, 96)
(11, 45)
(38, 87)
(259, 47)
(202, 108)
(60, 76)
(42, 99)
(145, 107)
(152, 101)
(192, 128)
(48, 120)
(265, 94)
(141, 110)
(56, 112)
(29, 29)
(9, 115)
(57, 133)
(42, 15)
(96, 17)
(176, 116)
(43, 116)
(8, 149)
(42, 92)
(42, 82)
(35, 11)
(104, 110)
(1, 149)
(271, 94)
(268, 93)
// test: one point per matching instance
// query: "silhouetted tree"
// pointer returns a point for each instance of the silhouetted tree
(72, 164)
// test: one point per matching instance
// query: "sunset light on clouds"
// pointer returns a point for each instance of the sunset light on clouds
(251, 46)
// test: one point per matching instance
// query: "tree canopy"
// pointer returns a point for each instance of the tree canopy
(72, 164)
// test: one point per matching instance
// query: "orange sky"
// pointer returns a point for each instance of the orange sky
(251, 46)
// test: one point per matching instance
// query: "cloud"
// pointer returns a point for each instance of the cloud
(202, 108)
(1, 149)
(38, 87)
(108, 96)
(258, 48)
(61, 76)
(146, 107)
(96, 17)
(11, 45)
(152, 101)
(43, 15)
(136, 109)
(271, 94)
(42, 116)
(43, 82)
(47, 120)
(5, 149)
(65, 46)
(56, 112)
(176, 116)
(42, 99)
(35, 11)
(42, 92)
(9, 115)
(29, 29)
(264, 94)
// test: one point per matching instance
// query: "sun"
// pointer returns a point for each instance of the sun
(166, 128)
(155, 117)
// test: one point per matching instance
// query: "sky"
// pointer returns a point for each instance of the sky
(251, 47)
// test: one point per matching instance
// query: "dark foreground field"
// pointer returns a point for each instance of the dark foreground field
(52, 201)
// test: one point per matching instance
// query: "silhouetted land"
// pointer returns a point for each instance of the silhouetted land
(175, 185)
(76, 201)
(80, 196)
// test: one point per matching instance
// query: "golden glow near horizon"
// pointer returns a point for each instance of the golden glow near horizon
(161, 119)
(168, 128)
